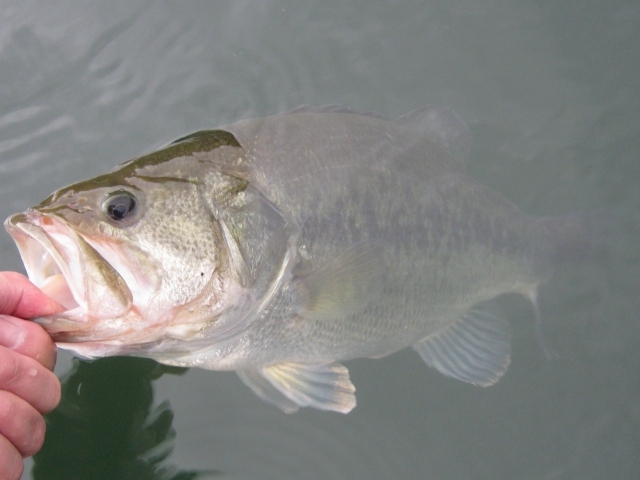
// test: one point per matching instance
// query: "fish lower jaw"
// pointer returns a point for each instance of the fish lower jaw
(91, 349)
(76, 326)
(57, 287)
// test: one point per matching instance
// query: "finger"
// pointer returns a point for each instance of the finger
(11, 465)
(21, 298)
(26, 378)
(21, 424)
(27, 338)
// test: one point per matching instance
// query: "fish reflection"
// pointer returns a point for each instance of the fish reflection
(107, 427)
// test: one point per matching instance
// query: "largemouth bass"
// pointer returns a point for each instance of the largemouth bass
(281, 246)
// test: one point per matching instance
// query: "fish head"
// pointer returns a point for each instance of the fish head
(137, 256)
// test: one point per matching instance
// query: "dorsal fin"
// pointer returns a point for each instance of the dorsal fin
(439, 123)
(335, 108)
(443, 126)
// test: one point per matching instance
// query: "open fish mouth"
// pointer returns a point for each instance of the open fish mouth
(64, 266)
(50, 254)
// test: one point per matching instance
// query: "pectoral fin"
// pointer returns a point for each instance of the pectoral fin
(266, 391)
(291, 385)
(475, 349)
(343, 286)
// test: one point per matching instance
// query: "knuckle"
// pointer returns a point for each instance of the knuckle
(29, 380)
(7, 407)
(10, 367)
(21, 424)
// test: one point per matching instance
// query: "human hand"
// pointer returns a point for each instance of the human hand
(28, 387)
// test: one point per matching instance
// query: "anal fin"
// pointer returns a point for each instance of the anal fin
(475, 349)
(290, 385)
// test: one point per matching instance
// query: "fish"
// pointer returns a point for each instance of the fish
(281, 247)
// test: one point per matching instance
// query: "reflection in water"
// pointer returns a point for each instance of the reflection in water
(106, 426)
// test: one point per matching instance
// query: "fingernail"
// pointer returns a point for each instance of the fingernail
(11, 334)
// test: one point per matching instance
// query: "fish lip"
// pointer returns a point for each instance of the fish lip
(44, 259)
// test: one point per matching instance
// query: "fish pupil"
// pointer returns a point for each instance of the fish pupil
(120, 206)
(118, 212)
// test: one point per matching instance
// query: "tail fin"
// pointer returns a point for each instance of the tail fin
(571, 238)
(579, 237)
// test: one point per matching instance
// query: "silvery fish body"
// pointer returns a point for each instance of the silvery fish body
(281, 246)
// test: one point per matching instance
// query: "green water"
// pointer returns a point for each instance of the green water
(551, 94)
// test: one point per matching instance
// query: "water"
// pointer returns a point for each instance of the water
(551, 94)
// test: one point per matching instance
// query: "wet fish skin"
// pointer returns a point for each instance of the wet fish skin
(281, 246)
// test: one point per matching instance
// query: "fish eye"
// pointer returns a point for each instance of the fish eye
(120, 206)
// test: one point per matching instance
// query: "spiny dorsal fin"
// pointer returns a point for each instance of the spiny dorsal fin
(334, 108)
(290, 385)
(443, 126)
(343, 286)
(475, 349)
(439, 123)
